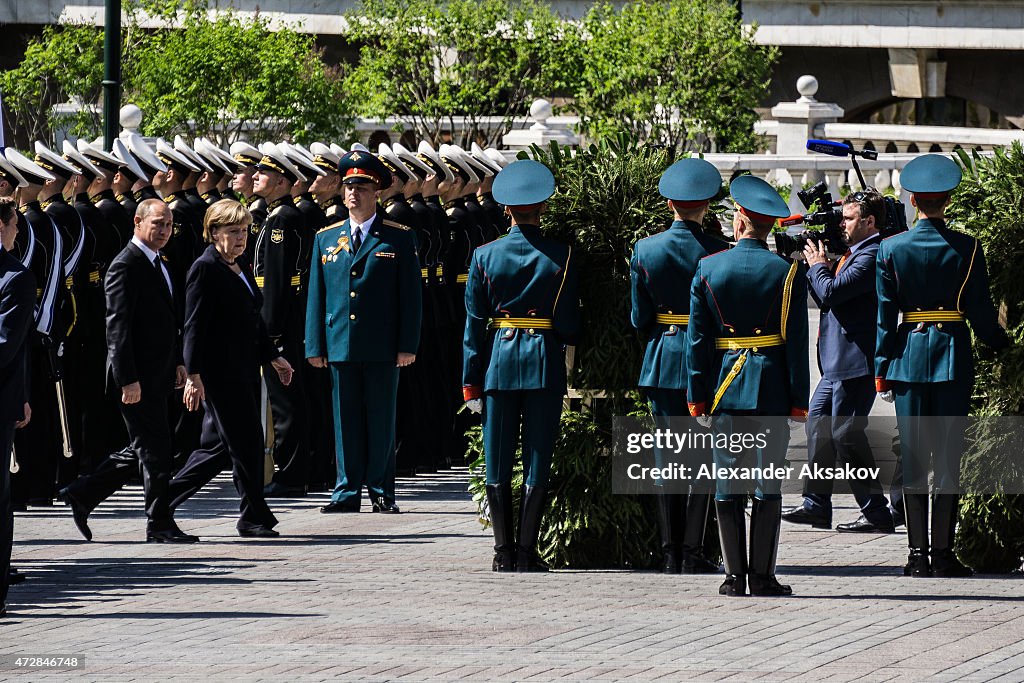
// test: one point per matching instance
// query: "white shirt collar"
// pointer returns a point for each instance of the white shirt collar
(150, 254)
(365, 227)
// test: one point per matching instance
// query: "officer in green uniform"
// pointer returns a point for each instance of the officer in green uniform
(661, 270)
(931, 280)
(746, 356)
(522, 308)
(363, 321)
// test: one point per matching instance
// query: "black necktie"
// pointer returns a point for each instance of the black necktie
(357, 239)
(156, 263)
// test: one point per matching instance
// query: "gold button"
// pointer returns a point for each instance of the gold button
(352, 317)
(532, 313)
(353, 272)
(671, 328)
(757, 330)
(940, 308)
(754, 349)
(530, 330)
(939, 325)
(670, 312)
(508, 334)
(919, 308)
(352, 294)
(508, 315)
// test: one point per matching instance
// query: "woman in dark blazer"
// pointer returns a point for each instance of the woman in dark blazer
(226, 343)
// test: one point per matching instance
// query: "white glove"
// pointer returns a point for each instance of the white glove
(475, 405)
(887, 396)
(704, 420)
(793, 424)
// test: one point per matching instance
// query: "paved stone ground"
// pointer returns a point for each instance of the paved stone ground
(410, 597)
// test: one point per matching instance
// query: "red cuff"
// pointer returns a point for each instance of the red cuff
(882, 384)
(697, 409)
(471, 392)
(798, 413)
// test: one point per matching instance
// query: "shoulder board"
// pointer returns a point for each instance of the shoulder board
(332, 226)
(393, 224)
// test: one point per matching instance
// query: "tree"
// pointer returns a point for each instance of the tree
(431, 61)
(682, 73)
(220, 76)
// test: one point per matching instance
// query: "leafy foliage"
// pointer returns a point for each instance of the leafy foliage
(683, 73)
(989, 204)
(478, 58)
(219, 76)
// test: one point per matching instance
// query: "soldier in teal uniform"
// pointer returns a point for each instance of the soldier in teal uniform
(363, 321)
(931, 281)
(746, 356)
(522, 308)
(661, 270)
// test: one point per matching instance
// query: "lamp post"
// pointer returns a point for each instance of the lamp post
(111, 72)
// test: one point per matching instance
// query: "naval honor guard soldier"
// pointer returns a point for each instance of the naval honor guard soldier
(522, 309)
(363, 321)
(746, 357)
(661, 270)
(931, 281)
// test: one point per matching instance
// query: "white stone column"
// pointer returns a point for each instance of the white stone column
(541, 133)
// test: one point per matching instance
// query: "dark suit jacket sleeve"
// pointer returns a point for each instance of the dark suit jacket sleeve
(478, 313)
(197, 289)
(279, 257)
(410, 292)
(17, 302)
(855, 279)
(122, 299)
(316, 341)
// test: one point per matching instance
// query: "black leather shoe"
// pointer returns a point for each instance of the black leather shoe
(258, 532)
(335, 507)
(863, 526)
(698, 564)
(380, 504)
(801, 515)
(276, 489)
(169, 534)
(79, 512)
(735, 585)
(767, 586)
(945, 565)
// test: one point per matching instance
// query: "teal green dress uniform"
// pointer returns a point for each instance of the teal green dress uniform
(661, 270)
(747, 357)
(931, 281)
(364, 308)
(522, 308)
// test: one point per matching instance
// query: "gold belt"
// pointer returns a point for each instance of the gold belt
(735, 343)
(462, 278)
(933, 317)
(671, 319)
(522, 323)
(424, 273)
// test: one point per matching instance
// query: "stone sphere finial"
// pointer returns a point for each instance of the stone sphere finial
(540, 111)
(130, 117)
(807, 86)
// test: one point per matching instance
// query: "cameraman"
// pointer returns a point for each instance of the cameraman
(838, 411)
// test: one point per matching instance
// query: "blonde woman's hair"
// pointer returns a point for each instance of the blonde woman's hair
(222, 214)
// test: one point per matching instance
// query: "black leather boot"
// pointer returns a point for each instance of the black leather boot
(531, 510)
(669, 512)
(765, 526)
(694, 562)
(732, 528)
(915, 506)
(499, 500)
(945, 511)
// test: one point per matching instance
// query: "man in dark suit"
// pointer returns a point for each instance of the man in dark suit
(144, 363)
(17, 299)
(838, 414)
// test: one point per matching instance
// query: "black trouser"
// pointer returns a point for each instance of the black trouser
(39, 443)
(322, 459)
(291, 418)
(6, 513)
(150, 435)
(232, 436)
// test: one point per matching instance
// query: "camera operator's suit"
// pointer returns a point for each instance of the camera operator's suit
(838, 415)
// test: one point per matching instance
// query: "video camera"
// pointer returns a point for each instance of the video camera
(827, 213)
